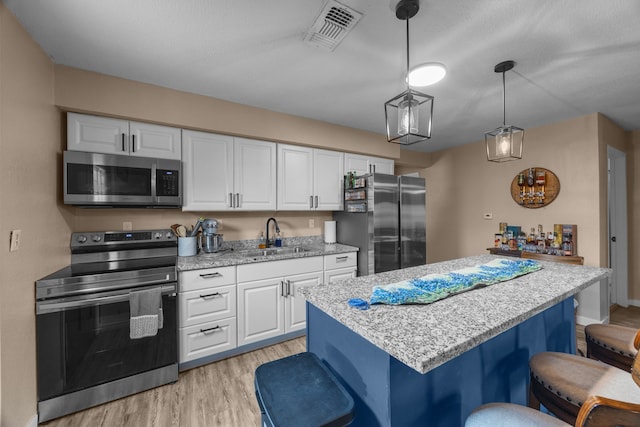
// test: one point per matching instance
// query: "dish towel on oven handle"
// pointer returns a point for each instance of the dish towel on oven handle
(146, 312)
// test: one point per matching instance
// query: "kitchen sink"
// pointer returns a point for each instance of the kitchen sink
(252, 253)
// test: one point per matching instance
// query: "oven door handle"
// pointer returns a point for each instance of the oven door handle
(51, 307)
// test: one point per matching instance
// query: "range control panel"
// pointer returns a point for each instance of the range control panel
(106, 238)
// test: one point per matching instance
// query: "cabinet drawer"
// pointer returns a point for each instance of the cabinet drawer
(331, 276)
(280, 268)
(206, 305)
(206, 278)
(349, 259)
(207, 338)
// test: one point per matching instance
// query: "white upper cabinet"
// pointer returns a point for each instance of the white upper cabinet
(367, 164)
(223, 173)
(309, 179)
(114, 136)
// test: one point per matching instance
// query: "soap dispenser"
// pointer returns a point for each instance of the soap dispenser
(262, 243)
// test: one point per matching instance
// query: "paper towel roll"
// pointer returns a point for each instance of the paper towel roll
(329, 231)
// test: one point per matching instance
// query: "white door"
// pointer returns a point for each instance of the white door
(260, 310)
(618, 242)
(295, 178)
(207, 164)
(97, 134)
(149, 140)
(381, 165)
(255, 174)
(295, 303)
(328, 174)
(356, 163)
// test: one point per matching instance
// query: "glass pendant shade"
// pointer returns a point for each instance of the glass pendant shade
(504, 143)
(408, 117)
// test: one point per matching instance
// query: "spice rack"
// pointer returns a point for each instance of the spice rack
(355, 193)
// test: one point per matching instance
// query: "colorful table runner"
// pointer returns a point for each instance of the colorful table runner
(434, 287)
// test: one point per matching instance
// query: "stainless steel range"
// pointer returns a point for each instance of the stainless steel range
(106, 324)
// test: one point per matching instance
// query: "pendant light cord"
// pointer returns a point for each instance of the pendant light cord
(407, 53)
(504, 102)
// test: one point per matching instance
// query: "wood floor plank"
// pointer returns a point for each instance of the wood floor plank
(222, 394)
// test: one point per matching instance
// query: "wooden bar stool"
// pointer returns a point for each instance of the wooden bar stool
(612, 344)
(564, 382)
(596, 411)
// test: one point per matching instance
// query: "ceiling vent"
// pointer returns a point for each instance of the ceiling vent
(332, 26)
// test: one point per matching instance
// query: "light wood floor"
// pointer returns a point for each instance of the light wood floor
(221, 394)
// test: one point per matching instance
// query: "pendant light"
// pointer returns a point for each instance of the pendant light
(505, 142)
(409, 114)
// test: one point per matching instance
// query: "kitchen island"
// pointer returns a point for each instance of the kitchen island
(433, 364)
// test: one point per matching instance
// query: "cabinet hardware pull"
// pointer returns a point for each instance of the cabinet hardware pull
(123, 142)
(210, 330)
(133, 143)
(342, 258)
(288, 287)
(316, 201)
(282, 288)
(209, 296)
(211, 275)
(230, 200)
(237, 200)
(311, 202)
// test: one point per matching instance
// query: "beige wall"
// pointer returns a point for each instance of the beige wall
(29, 186)
(463, 186)
(634, 217)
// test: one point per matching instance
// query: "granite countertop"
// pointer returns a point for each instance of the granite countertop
(425, 336)
(238, 252)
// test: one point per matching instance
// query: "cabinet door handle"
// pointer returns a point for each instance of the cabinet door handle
(282, 293)
(288, 287)
(209, 331)
(311, 202)
(316, 197)
(211, 275)
(123, 137)
(237, 200)
(209, 296)
(230, 200)
(342, 258)
(133, 143)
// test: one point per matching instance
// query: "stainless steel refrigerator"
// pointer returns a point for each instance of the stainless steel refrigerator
(386, 219)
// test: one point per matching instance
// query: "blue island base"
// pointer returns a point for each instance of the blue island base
(387, 392)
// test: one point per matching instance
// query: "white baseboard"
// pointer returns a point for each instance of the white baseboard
(583, 320)
(33, 422)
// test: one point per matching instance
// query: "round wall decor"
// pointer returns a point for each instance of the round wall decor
(535, 187)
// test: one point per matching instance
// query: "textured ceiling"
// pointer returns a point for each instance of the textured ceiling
(574, 57)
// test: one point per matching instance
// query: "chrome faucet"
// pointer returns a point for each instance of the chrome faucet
(277, 229)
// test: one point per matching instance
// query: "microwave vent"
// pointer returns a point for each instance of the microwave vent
(332, 25)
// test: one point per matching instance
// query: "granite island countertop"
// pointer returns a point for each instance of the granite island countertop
(238, 254)
(425, 336)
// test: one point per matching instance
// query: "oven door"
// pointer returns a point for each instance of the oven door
(84, 341)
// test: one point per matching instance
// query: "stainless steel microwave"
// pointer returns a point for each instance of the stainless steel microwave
(110, 180)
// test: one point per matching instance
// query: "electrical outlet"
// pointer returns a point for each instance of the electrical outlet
(488, 216)
(312, 223)
(127, 226)
(15, 240)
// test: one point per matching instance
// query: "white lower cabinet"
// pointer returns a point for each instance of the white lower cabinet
(269, 299)
(207, 312)
(340, 266)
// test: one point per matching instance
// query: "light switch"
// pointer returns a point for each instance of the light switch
(312, 223)
(15, 240)
(127, 226)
